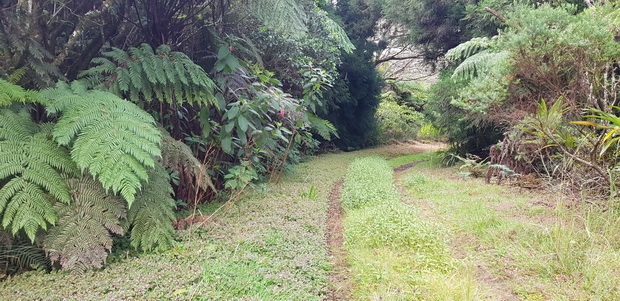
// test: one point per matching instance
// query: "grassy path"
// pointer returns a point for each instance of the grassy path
(270, 246)
(518, 244)
(471, 241)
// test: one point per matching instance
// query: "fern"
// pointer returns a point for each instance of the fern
(480, 63)
(322, 127)
(336, 32)
(25, 56)
(152, 214)
(111, 138)
(18, 255)
(10, 94)
(469, 48)
(31, 164)
(287, 16)
(142, 74)
(81, 237)
(177, 156)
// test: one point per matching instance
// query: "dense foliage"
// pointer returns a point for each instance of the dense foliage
(116, 112)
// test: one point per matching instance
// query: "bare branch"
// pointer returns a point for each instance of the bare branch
(492, 12)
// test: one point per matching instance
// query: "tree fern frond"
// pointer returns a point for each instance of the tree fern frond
(469, 48)
(31, 164)
(286, 16)
(81, 238)
(112, 138)
(11, 93)
(479, 63)
(151, 216)
(16, 254)
(336, 32)
(177, 156)
(142, 74)
(322, 127)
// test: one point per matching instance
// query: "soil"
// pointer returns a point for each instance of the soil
(340, 278)
(403, 149)
(407, 166)
(495, 288)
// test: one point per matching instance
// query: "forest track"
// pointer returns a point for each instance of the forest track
(340, 277)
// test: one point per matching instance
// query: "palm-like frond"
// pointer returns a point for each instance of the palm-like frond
(177, 156)
(151, 216)
(81, 238)
(111, 138)
(286, 16)
(479, 63)
(322, 127)
(469, 48)
(31, 164)
(10, 94)
(336, 32)
(16, 254)
(143, 74)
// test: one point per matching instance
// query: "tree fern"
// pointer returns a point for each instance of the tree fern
(30, 167)
(480, 63)
(20, 254)
(177, 156)
(10, 94)
(33, 58)
(469, 48)
(144, 74)
(336, 32)
(286, 16)
(151, 216)
(322, 127)
(111, 138)
(81, 238)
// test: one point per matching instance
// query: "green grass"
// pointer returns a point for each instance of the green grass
(434, 158)
(369, 182)
(539, 253)
(393, 253)
(269, 246)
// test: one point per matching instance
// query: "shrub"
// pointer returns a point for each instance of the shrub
(398, 122)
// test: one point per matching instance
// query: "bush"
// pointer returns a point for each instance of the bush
(398, 122)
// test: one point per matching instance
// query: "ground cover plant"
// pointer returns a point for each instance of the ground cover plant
(521, 245)
(393, 253)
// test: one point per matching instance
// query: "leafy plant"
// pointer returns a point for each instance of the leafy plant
(18, 255)
(110, 137)
(11, 93)
(82, 236)
(31, 167)
(149, 220)
(142, 74)
(311, 194)
(189, 171)
(398, 122)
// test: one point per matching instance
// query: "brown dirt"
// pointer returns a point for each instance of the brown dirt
(407, 166)
(340, 279)
(403, 149)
